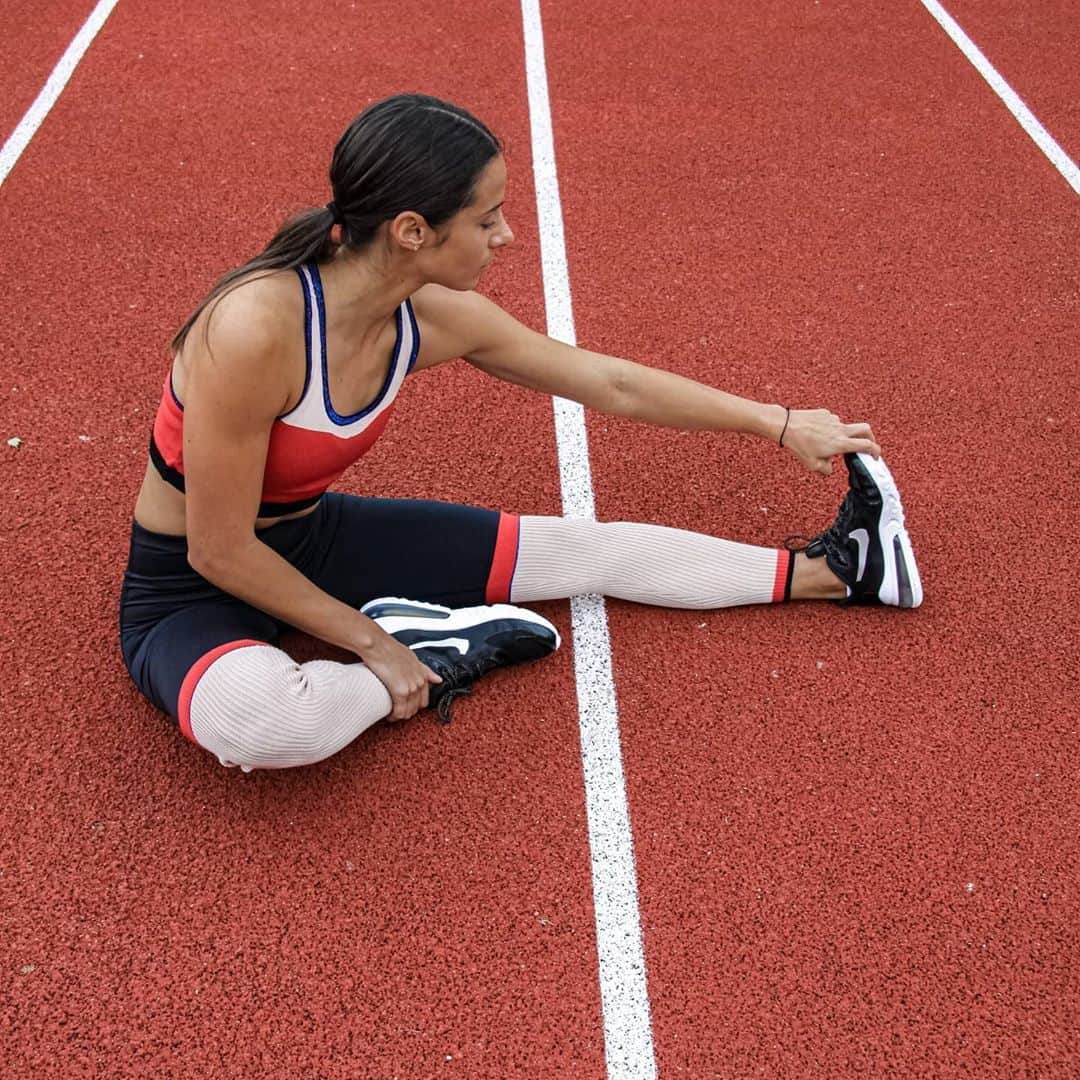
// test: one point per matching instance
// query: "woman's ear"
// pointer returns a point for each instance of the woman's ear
(409, 230)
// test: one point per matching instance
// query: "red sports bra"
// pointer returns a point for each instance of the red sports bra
(311, 445)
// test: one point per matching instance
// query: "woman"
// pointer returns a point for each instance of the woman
(286, 373)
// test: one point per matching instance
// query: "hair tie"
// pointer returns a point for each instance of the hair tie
(339, 218)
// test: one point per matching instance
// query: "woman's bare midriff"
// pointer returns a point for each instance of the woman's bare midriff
(161, 508)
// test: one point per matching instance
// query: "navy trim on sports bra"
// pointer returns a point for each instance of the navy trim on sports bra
(336, 417)
(307, 343)
(415, 336)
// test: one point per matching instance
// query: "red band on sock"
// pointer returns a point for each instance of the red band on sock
(783, 562)
(196, 672)
(504, 561)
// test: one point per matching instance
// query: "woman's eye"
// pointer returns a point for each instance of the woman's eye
(487, 225)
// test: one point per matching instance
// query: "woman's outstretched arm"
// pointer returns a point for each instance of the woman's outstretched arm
(498, 344)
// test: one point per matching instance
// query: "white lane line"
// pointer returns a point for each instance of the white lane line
(1045, 142)
(624, 995)
(21, 136)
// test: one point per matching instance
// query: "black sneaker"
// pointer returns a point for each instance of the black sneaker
(867, 546)
(462, 644)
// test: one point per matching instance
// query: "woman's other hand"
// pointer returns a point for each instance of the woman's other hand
(403, 675)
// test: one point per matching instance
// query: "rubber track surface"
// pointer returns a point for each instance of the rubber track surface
(1034, 48)
(420, 902)
(32, 40)
(855, 830)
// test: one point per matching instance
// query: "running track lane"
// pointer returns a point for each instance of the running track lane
(32, 40)
(1034, 48)
(855, 830)
(421, 902)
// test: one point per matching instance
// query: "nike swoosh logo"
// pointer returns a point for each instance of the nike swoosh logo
(862, 538)
(458, 643)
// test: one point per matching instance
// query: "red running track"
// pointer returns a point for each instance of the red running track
(33, 38)
(822, 205)
(1034, 49)
(827, 206)
(421, 901)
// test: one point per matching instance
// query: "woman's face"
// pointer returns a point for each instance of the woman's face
(474, 235)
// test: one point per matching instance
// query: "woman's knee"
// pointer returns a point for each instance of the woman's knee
(257, 708)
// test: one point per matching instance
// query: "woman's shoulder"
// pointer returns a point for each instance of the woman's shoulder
(464, 324)
(446, 320)
(255, 316)
(438, 304)
(249, 335)
(460, 319)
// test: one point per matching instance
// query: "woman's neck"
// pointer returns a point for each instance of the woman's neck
(363, 290)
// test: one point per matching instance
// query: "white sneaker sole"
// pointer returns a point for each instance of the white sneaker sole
(901, 585)
(394, 613)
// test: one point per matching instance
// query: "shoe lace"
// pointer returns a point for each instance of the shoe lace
(456, 683)
(442, 710)
(832, 540)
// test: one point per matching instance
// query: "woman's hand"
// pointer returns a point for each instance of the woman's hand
(816, 436)
(403, 675)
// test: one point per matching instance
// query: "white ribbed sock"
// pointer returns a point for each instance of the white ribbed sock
(257, 708)
(652, 564)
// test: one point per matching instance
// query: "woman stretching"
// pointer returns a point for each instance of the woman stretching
(287, 372)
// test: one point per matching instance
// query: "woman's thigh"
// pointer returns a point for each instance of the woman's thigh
(172, 619)
(168, 659)
(444, 553)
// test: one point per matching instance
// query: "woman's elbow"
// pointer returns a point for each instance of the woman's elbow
(620, 395)
(213, 557)
(203, 560)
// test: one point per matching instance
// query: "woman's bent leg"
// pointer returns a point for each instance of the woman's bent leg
(254, 706)
(650, 564)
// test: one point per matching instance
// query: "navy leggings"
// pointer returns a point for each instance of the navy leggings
(353, 548)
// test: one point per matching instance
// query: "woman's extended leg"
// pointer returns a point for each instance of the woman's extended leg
(865, 556)
(653, 564)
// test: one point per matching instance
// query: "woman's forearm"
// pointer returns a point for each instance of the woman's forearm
(258, 575)
(662, 397)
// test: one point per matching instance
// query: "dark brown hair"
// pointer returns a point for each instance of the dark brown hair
(407, 152)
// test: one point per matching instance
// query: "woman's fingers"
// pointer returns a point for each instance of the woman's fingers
(415, 696)
(861, 439)
(408, 697)
(407, 679)
(816, 436)
(862, 446)
(409, 702)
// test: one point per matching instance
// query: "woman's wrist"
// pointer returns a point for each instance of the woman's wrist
(770, 421)
(362, 634)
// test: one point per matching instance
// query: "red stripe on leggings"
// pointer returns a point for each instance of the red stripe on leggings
(504, 561)
(783, 557)
(198, 670)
